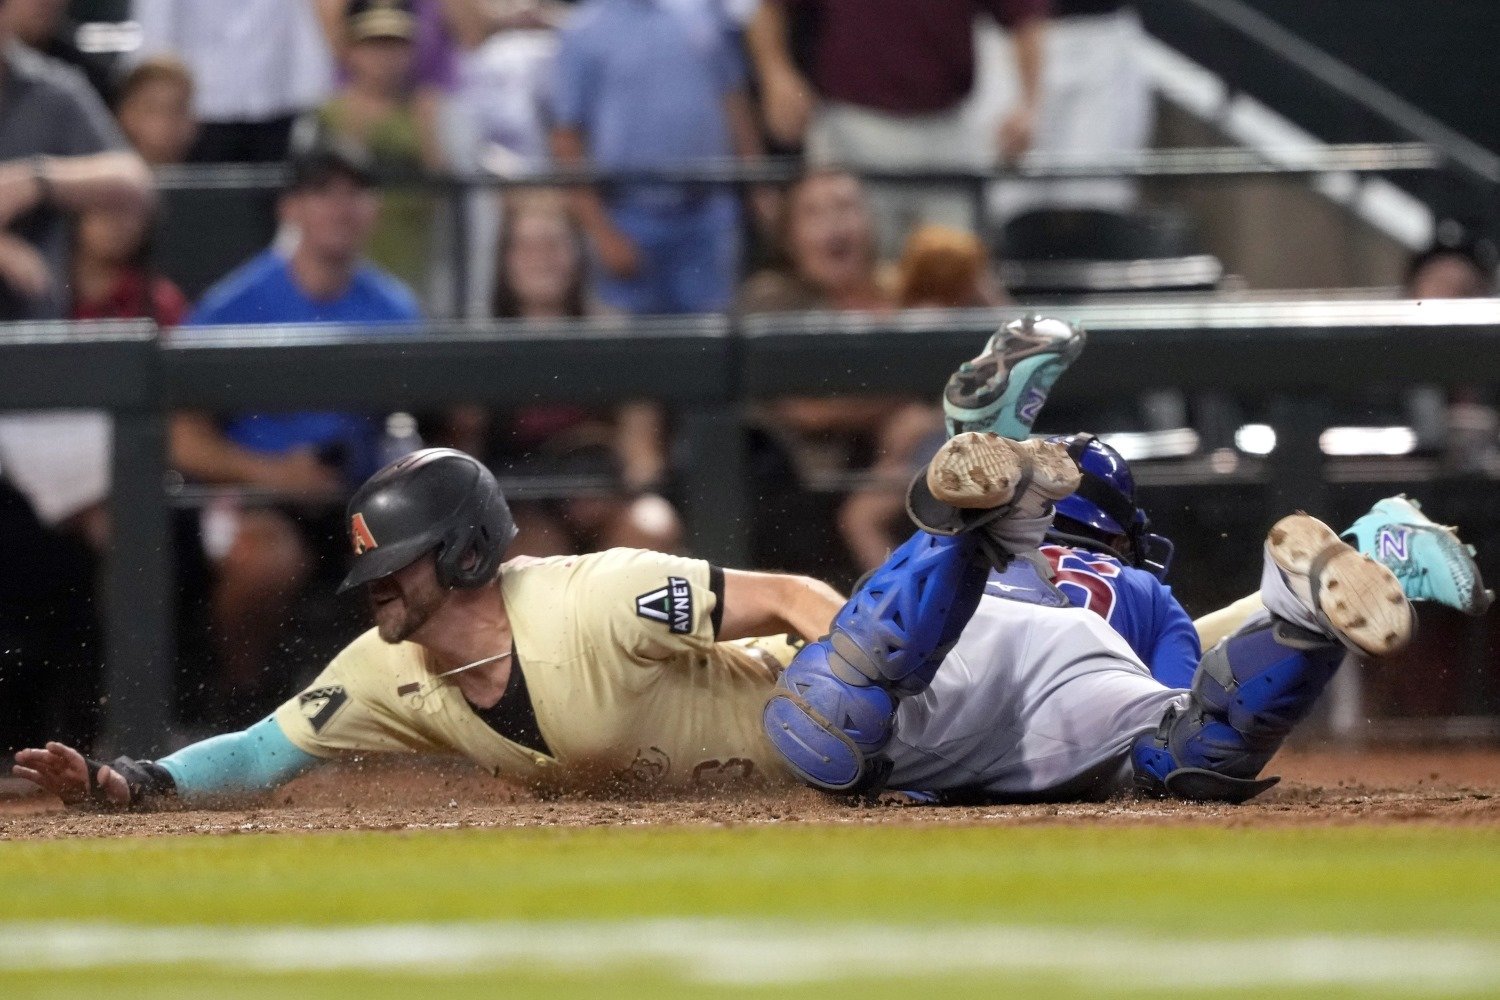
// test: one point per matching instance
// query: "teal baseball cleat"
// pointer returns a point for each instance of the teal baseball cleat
(1428, 559)
(1003, 389)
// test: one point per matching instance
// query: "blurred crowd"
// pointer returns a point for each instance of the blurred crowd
(358, 97)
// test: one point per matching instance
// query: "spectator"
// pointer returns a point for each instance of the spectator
(1096, 101)
(505, 72)
(112, 277)
(541, 278)
(59, 152)
(500, 113)
(257, 65)
(644, 85)
(154, 104)
(888, 90)
(828, 239)
(308, 458)
(944, 268)
(1456, 266)
(46, 26)
(378, 107)
(435, 50)
(833, 264)
(940, 269)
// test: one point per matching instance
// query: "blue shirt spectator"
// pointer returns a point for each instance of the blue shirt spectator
(265, 552)
(264, 291)
(646, 84)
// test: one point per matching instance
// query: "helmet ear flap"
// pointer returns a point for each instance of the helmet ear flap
(468, 558)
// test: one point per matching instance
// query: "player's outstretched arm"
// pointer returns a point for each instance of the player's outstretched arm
(757, 604)
(253, 760)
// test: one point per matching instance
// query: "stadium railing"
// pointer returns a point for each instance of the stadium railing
(1294, 356)
(229, 215)
(1254, 54)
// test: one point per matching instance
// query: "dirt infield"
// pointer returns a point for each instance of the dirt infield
(1449, 787)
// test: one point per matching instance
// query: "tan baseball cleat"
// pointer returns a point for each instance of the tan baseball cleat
(1358, 599)
(980, 470)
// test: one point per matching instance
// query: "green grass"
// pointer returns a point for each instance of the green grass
(1235, 885)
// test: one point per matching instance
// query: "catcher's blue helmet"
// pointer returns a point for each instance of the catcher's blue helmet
(1103, 509)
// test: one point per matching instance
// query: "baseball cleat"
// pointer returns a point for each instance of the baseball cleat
(1358, 600)
(1002, 390)
(977, 471)
(1428, 559)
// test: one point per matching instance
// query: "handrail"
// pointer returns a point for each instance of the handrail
(1224, 162)
(1351, 85)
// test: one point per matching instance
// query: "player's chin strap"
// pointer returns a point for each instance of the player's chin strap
(148, 782)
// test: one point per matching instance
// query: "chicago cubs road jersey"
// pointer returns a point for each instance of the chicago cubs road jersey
(1133, 601)
(631, 691)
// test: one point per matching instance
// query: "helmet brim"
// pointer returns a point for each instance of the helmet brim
(383, 561)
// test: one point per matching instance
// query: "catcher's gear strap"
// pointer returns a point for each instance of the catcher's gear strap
(147, 780)
(1247, 694)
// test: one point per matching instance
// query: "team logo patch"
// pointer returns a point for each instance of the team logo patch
(672, 605)
(359, 533)
(320, 705)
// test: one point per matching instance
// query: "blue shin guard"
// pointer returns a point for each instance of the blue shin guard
(832, 711)
(1248, 693)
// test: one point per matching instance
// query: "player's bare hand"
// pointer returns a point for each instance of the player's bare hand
(617, 252)
(788, 106)
(63, 771)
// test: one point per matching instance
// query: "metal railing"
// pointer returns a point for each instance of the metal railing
(1295, 356)
(1256, 55)
(1196, 162)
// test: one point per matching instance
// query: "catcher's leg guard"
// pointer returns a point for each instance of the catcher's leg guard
(831, 712)
(1248, 693)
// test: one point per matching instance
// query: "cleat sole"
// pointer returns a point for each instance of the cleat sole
(981, 469)
(1360, 598)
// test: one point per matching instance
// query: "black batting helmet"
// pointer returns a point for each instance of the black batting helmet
(436, 498)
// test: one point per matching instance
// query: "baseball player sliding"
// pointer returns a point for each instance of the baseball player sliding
(632, 671)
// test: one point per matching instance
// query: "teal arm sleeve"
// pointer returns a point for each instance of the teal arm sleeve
(257, 759)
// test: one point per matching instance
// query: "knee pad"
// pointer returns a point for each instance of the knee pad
(1248, 693)
(896, 629)
(828, 732)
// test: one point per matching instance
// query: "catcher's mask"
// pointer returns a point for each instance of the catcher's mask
(1103, 509)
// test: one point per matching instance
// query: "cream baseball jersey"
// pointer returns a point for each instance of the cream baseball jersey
(630, 688)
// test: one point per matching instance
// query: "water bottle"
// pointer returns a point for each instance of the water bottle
(400, 438)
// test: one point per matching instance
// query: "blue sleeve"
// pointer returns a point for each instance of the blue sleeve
(574, 83)
(404, 302)
(1176, 652)
(257, 759)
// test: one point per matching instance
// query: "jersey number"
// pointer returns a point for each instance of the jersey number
(1088, 583)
